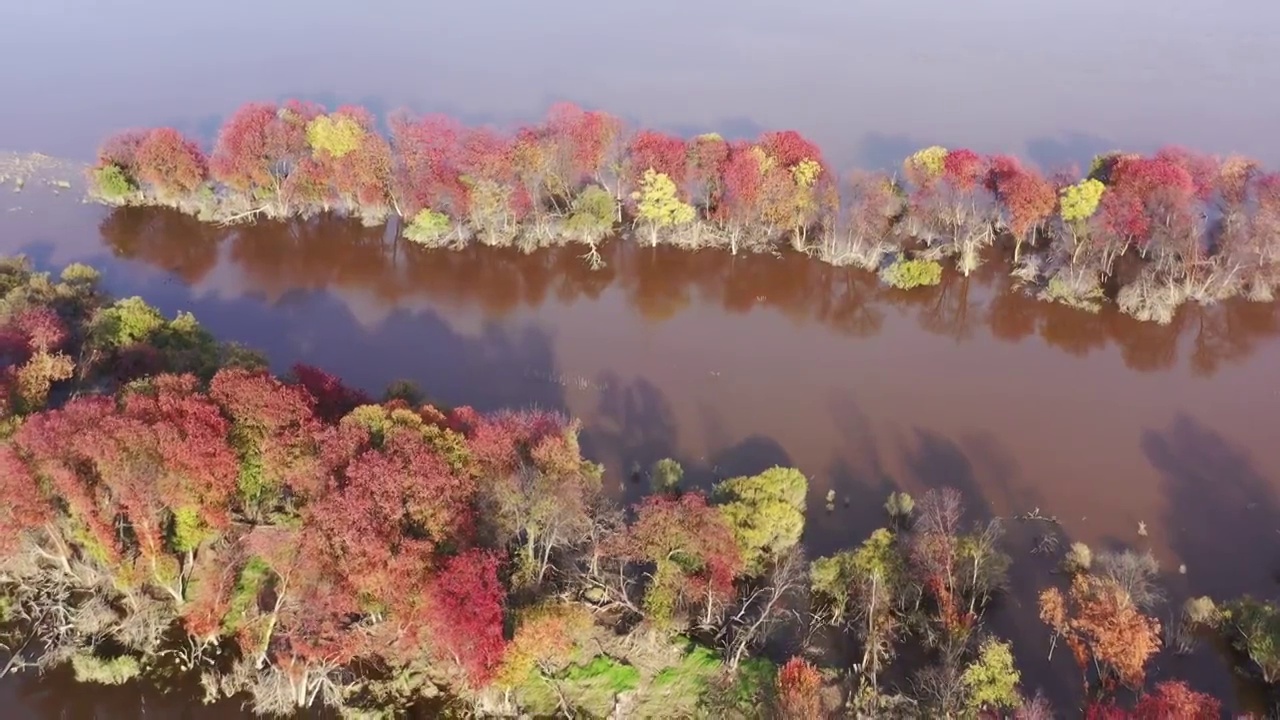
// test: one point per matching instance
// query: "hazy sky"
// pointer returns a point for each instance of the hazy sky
(869, 80)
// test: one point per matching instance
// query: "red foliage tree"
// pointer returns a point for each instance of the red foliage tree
(261, 145)
(121, 150)
(361, 176)
(743, 180)
(707, 156)
(660, 152)
(41, 329)
(582, 142)
(691, 547)
(427, 175)
(963, 168)
(465, 605)
(159, 460)
(1202, 169)
(173, 165)
(393, 509)
(1174, 699)
(1151, 202)
(799, 687)
(1027, 197)
(935, 552)
(25, 506)
(789, 148)
(333, 399)
(276, 435)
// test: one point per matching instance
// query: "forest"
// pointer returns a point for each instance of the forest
(174, 511)
(1147, 233)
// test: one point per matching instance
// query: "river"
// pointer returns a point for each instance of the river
(727, 364)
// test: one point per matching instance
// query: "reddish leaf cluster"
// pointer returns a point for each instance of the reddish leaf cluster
(333, 399)
(963, 168)
(799, 688)
(170, 163)
(465, 606)
(692, 535)
(1027, 197)
(262, 145)
(660, 152)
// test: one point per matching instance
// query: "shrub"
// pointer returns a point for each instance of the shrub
(666, 476)
(798, 691)
(112, 182)
(124, 323)
(605, 673)
(116, 671)
(428, 227)
(592, 213)
(907, 274)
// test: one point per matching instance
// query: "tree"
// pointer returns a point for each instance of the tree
(275, 434)
(465, 605)
(581, 145)
(658, 206)
(1027, 198)
(259, 149)
(950, 210)
(545, 640)
(661, 153)
(1101, 623)
(1174, 699)
(333, 399)
(353, 158)
(1253, 627)
(799, 691)
(541, 494)
(864, 589)
(991, 679)
(692, 551)
(935, 553)
(171, 164)
(765, 512)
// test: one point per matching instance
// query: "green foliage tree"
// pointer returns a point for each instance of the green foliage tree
(991, 679)
(1253, 627)
(592, 214)
(665, 476)
(765, 511)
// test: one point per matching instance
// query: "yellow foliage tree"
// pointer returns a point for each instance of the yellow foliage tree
(925, 165)
(1080, 201)
(335, 134)
(659, 205)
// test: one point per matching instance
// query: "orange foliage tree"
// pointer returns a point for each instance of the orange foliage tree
(1100, 622)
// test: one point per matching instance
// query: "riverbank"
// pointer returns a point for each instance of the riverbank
(1147, 233)
(585, 607)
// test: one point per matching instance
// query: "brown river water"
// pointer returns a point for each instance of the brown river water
(727, 364)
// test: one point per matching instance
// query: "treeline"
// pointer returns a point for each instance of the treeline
(1149, 232)
(171, 508)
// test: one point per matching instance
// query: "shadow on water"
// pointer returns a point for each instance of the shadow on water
(1219, 505)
